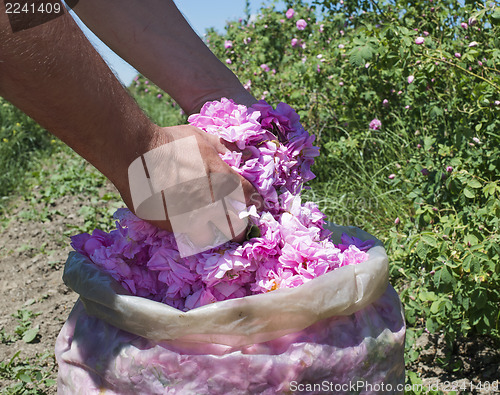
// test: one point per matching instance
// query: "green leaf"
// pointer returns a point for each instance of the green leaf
(474, 183)
(422, 249)
(424, 296)
(489, 189)
(436, 306)
(30, 334)
(360, 55)
(436, 112)
(469, 193)
(24, 377)
(429, 240)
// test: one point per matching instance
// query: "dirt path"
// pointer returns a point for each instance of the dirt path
(32, 256)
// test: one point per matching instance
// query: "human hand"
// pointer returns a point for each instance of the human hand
(182, 172)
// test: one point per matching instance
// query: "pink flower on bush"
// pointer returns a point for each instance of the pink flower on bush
(228, 44)
(392, 176)
(375, 124)
(473, 44)
(426, 33)
(290, 13)
(294, 42)
(419, 40)
(228, 61)
(449, 169)
(464, 25)
(458, 55)
(301, 24)
(385, 103)
(265, 67)
(341, 46)
(411, 78)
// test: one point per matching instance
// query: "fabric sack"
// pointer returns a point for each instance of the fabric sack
(342, 332)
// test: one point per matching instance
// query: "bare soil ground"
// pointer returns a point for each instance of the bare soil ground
(32, 256)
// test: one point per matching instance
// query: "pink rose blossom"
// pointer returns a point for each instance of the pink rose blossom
(301, 24)
(375, 124)
(265, 67)
(411, 78)
(228, 44)
(292, 245)
(419, 40)
(290, 13)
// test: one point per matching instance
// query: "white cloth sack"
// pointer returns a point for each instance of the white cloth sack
(341, 328)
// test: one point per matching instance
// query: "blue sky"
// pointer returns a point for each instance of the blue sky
(201, 14)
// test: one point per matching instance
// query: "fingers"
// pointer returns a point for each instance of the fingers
(194, 201)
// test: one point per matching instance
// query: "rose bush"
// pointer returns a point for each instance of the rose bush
(351, 65)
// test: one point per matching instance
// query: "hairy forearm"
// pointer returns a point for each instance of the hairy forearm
(154, 37)
(53, 74)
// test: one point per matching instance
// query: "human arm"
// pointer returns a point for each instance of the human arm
(53, 74)
(155, 38)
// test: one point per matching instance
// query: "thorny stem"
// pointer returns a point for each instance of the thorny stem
(464, 70)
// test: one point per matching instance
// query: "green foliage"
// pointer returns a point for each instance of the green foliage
(449, 249)
(25, 330)
(160, 108)
(32, 377)
(427, 180)
(22, 141)
(67, 174)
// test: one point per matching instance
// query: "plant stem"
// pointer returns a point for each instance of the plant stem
(464, 70)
